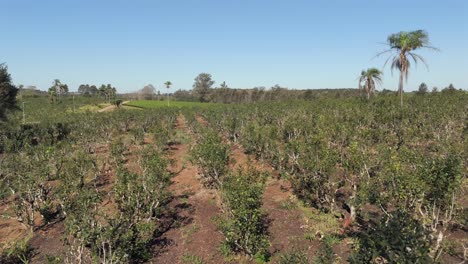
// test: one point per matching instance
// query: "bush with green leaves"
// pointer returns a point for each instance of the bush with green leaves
(397, 238)
(28, 174)
(244, 223)
(211, 155)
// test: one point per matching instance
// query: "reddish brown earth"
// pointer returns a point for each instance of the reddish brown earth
(194, 231)
(10, 228)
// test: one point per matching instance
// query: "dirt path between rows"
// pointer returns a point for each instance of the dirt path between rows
(111, 107)
(194, 233)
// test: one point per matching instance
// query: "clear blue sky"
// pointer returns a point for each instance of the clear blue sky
(247, 43)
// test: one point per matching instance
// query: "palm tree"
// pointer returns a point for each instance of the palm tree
(168, 85)
(369, 79)
(402, 45)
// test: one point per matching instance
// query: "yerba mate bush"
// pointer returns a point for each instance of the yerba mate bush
(244, 223)
(211, 155)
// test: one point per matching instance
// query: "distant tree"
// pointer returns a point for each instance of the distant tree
(7, 92)
(369, 79)
(257, 94)
(277, 92)
(168, 86)
(87, 90)
(183, 95)
(422, 90)
(435, 89)
(223, 85)
(404, 44)
(57, 89)
(147, 92)
(107, 91)
(83, 88)
(202, 86)
(158, 95)
(450, 88)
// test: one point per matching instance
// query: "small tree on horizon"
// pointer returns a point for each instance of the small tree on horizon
(57, 89)
(168, 86)
(223, 85)
(422, 89)
(202, 86)
(369, 79)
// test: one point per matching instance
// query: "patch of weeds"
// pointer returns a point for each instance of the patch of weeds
(182, 137)
(188, 232)
(19, 252)
(320, 222)
(288, 205)
(184, 200)
(294, 257)
(225, 250)
(53, 259)
(310, 236)
(325, 255)
(262, 257)
(192, 259)
(452, 247)
(332, 240)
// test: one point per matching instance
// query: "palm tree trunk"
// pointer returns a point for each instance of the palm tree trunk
(400, 88)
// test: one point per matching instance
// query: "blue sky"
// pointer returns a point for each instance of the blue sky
(247, 43)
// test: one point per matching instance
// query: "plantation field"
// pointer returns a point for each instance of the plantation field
(154, 104)
(331, 180)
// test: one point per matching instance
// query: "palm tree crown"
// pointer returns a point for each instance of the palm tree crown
(369, 79)
(404, 44)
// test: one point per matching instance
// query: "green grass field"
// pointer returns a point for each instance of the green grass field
(151, 104)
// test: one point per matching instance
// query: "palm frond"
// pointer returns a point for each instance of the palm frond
(386, 61)
(417, 57)
(382, 52)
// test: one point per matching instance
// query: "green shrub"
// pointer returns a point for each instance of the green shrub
(244, 222)
(212, 157)
(294, 257)
(397, 238)
(325, 255)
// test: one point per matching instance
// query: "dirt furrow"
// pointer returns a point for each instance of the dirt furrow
(193, 234)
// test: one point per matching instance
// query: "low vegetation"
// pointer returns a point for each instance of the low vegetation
(374, 181)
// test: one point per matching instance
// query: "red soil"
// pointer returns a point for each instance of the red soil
(194, 232)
